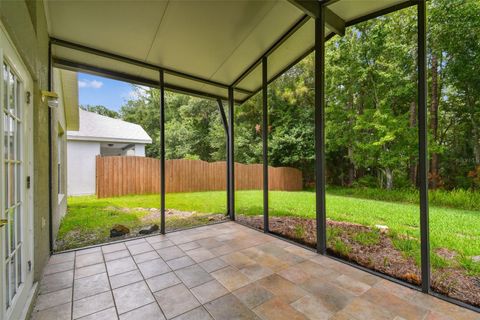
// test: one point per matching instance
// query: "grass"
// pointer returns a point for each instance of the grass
(454, 229)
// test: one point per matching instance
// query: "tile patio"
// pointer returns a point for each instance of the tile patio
(223, 271)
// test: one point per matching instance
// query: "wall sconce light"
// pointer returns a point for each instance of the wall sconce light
(51, 98)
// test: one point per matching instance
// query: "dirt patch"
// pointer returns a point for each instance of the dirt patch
(371, 248)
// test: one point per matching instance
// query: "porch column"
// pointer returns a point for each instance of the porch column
(423, 144)
(321, 216)
(231, 153)
(265, 142)
(162, 152)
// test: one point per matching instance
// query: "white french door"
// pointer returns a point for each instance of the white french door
(16, 277)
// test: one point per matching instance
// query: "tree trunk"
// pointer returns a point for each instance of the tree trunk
(389, 178)
(434, 172)
(412, 171)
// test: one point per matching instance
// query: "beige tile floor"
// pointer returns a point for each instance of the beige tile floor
(223, 271)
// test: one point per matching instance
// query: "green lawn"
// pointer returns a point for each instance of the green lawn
(455, 229)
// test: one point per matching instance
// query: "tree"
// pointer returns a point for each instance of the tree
(102, 110)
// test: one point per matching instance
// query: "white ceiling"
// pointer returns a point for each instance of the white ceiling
(215, 40)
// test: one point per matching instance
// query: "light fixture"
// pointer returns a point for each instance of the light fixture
(51, 98)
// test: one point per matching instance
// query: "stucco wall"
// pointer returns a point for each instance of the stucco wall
(81, 167)
(28, 31)
(140, 150)
(59, 149)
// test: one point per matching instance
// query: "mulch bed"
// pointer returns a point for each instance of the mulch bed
(382, 256)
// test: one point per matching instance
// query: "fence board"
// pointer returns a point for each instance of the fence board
(125, 175)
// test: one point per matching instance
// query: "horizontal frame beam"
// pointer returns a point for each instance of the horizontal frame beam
(82, 67)
(114, 56)
(331, 35)
(313, 9)
(270, 50)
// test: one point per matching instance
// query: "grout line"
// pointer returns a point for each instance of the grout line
(145, 280)
(109, 283)
(73, 283)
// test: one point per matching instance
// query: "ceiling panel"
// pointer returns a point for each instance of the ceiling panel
(215, 40)
(124, 27)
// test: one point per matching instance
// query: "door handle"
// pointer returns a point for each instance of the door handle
(3, 222)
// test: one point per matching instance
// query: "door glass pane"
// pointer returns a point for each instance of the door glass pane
(12, 163)
(5, 87)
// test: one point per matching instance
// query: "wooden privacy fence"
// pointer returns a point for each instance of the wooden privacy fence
(126, 175)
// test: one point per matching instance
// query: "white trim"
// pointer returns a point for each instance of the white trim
(100, 139)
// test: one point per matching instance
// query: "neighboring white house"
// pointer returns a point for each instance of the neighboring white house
(99, 135)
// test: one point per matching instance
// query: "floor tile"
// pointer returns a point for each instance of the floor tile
(58, 267)
(87, 251)
(237, 260)
(213, 264)
(231, 278)
(147, 256)
(114, 247)
(282, 288)
(193, 276)
(180, 263)
(156, 239)
(189, 246)
(362, 309)
(294, 274)
(88, 259)
(312, 308)
(163, 281)
(93, 304)
(163, 244)
(60, 312)
(108, 314)
(120, 266)
(170, 253)
(256, 271)
(52, 299)
(62, 257)
(90, 286)
(153, 268)
(176, 300)
(134, 242)
(90, 270)
(125, 278)
(209, 291)
(278, 309)
(229, 307)
(395, 304)
(140, 248)
(56, 281)
(253, 295)
(149, 312)
(116, 255)
(333, 297)
(132, 296)
(357, 288)
(196, 314)
(200, 254)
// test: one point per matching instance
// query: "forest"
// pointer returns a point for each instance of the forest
(371, 113)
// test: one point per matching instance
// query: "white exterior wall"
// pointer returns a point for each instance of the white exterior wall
(81, 167)
(140, 150)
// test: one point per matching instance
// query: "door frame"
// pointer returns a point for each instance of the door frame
(21, 302)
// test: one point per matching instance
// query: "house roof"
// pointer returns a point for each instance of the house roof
(203, 46)
(95, 127)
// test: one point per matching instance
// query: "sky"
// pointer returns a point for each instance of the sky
(96, 90)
